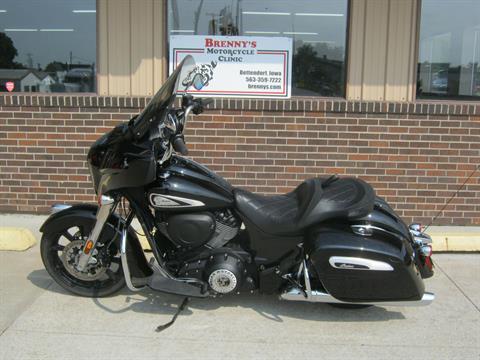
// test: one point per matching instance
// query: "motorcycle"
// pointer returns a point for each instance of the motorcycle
(330, 240)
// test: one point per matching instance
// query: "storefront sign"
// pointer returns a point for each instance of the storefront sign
(235, 66)
(10, 85)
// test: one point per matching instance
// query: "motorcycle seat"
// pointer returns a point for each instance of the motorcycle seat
(313, 201)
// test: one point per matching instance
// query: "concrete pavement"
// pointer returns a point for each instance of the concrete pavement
(39, 320)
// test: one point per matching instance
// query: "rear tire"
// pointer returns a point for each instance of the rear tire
(103, 279)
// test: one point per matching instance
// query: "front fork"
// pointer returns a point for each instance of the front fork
(107, 206)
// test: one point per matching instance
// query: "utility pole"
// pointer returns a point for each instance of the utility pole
(30, 60)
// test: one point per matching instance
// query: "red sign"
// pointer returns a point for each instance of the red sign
(10, 85)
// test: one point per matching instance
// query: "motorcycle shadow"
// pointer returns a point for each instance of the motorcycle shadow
(267, 306)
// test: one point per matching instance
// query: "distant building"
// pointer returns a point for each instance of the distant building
(26, 80)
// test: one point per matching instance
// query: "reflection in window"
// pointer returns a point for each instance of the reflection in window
(449, 53)
(47, 46)
(318, 29)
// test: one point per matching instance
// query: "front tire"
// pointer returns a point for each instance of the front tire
(59, 248)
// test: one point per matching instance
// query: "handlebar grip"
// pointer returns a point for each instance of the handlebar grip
(179, 145)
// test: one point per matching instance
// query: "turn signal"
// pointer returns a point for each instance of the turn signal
(88, 247)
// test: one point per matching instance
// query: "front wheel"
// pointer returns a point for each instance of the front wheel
(60, 249)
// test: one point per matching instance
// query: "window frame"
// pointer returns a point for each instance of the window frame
(416, 98)
(76, 94)
(346, 60)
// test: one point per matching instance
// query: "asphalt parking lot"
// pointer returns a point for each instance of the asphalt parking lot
(38, 320)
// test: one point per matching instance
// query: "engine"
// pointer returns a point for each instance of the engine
(226, 228)
(223, 268)
(192, 230)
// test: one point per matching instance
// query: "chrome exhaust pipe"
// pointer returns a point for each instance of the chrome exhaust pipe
(296, 294)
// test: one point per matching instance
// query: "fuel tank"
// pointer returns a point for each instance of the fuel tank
(184, 185)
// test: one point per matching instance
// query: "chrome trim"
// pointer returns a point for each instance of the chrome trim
(172, 199)
(368, 230)
(123, 257)
(170, 123)
(59, 207)
(187, 113)
(306, 275)
(368, 263)
(364, 230)
(421, 238)
(166, 155)
(415, 227)
(106, 200)
(107, 204)
(296, 294)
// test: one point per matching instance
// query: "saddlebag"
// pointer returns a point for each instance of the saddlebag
(356, 268)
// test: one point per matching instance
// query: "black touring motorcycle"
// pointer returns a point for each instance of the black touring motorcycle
(330, 240)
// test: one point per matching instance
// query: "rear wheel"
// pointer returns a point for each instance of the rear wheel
(60, 249)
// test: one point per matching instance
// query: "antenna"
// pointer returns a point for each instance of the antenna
(451, 198)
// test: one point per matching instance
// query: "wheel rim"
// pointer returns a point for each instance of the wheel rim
(108, 256)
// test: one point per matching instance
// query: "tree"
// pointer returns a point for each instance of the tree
(55, 66)
(8, 53)
(304, 63)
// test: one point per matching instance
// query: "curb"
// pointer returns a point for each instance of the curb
(456, 242)
(16, 239)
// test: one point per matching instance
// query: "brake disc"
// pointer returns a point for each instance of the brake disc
(70, 256)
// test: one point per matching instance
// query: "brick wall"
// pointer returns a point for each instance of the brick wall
(415, 155)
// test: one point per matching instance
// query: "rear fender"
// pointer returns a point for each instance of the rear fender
(137, 262)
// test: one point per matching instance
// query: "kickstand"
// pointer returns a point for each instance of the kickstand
(170, 323)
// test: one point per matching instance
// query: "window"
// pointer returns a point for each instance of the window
(449, 49)
(47, 46)
(318, 29)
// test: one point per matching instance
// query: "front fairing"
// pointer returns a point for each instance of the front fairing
(157, 108)
(126, 156)
(115, 162)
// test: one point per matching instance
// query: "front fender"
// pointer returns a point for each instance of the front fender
(137, 262)
(54, 221)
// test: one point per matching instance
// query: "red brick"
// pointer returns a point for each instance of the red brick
(408, 156)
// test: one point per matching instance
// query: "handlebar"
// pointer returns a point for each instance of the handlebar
(175, 120)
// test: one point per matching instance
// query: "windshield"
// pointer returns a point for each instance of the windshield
(155, 109)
